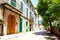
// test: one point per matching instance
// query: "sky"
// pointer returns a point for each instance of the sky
(34, 2)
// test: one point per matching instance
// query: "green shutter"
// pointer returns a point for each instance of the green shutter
(26, 26)
(13, 3)
(31, 16)
(20, 24)
(21, 6)
(27, 12)
(32, 27)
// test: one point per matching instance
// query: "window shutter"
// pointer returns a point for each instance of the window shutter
(13, 3)
(21, 6)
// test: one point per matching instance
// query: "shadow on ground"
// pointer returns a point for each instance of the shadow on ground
(50, 38)
(46, 35)
(40, 33)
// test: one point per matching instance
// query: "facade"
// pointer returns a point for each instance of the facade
(10, 17)
(41, 27)
(27, 16)
(17, 16)
(36, 20)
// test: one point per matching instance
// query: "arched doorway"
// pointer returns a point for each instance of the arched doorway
(11, 24)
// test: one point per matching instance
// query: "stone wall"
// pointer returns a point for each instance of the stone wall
(6, 14)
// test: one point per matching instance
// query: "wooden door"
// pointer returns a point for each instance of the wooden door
(11, 24)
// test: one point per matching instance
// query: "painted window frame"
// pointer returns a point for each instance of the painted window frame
(27, 12)
(21, 6)
(13, 3)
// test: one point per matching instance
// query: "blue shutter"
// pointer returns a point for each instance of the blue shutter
(27, 12)
(21, 6)
(13, 3)
(30, 14)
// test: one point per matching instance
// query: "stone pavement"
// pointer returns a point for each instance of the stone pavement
(36, 35)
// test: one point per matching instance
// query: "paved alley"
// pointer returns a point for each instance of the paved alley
(37, 35)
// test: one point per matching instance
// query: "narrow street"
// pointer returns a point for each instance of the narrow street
(37, 35)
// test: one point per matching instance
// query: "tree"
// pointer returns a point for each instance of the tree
(49, 11)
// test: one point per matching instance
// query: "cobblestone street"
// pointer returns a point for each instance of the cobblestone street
(37, 35)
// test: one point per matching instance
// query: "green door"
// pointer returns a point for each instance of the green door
(20, 24)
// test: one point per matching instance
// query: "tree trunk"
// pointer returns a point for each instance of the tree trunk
(51, 30)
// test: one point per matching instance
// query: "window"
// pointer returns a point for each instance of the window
(13, 3)
(26, 23)
(26, 12)
(30, 6)
(30, 14)
(32, 27)
(26, 26)
(21, 6)
(27, 1)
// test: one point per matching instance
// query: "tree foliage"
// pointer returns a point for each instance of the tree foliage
(49, 10)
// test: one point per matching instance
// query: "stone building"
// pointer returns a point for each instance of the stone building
(17, 16)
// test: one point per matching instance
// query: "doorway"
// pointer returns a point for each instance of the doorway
(20, 25)
(30, 27)
(11, 24)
